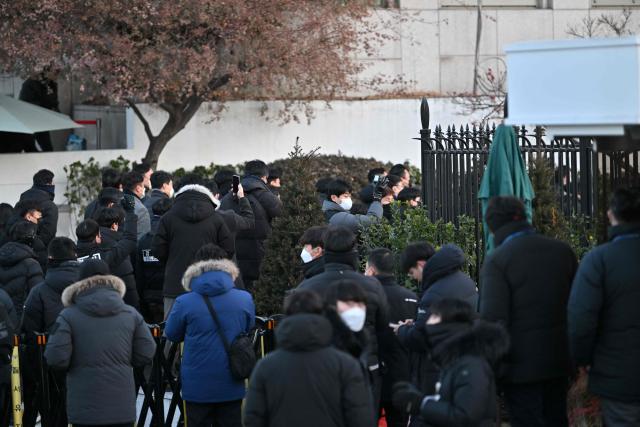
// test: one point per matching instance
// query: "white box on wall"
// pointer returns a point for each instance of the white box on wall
(575, 87)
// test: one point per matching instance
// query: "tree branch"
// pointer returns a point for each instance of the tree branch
(145, 123)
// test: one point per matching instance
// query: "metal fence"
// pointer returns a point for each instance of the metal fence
(453, 161)
(159, 384)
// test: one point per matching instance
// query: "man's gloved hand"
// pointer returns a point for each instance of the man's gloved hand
(406, 397)
(380, 189)
(128, 203)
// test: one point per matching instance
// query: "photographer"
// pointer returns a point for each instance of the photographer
(338, 205)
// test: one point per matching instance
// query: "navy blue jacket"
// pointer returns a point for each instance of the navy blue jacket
(205, 373)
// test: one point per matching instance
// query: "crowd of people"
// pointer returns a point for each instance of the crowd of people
(355, 344)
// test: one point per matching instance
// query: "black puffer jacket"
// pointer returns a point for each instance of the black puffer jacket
(107, 193)
(441, 278)
(328, 391)
(313, 268)
(467, 356)
(116, 250)
(44, 302)
(48, 225)
(19, 272)
(149, 270)
(343, 266)
(98, 340)
(403, 304)
(525, 285)
(604, 315)
(191, 223)
(250, 243)
(7, 329)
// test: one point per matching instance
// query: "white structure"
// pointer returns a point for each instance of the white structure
(599, 100)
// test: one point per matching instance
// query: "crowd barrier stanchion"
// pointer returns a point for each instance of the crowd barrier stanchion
(44, 400)
(16, 387)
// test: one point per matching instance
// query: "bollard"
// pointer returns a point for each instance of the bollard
(16, 388)
(45, 400)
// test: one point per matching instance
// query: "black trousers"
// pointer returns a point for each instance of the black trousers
(542, 404)
(222, 414)
(620, 414)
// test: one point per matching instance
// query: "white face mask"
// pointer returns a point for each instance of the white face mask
(172, 193)
(346, 204)
(354, 318)
(306, 256)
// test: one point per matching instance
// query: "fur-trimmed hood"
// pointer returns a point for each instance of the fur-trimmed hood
(452, 341)
(71, 293)
(200, 189)
(210, 277)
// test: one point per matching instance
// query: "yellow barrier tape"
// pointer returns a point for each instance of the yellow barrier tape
(16, 388)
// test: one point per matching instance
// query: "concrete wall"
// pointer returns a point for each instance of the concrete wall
(382, 129)
(436, 44)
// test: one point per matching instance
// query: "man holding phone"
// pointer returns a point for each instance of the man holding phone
(266, 206)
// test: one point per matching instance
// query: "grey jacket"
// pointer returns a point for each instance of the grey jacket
(98, 340)
(335, 215)
(144, 219)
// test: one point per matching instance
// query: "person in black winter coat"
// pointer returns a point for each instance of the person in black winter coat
(241, 218)
(43, 192)
(191, 223)
(525, 284)
(467, 354)
(604, 320)
(44, 302)
(41, 310)
(149, 270)
(98, 340)
(7, 329)
(266, 206)
(110, 195)
(341, 262)
(329, 389)
(403, 304)
(30, 211)
(106, 244)
(442, 277)
(312, 254)
(19, 267)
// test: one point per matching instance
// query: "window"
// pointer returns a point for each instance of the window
(490, 3)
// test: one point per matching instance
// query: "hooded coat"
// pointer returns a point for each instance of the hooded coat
(115, 250)
(525, 285)
(48, 224)
(98, 340)
(604, 319)
(467, 357)
(250, 243)
(336, 215)
(44, 302)
(340, 266)
(442, 278)
(19, 272)
(205, 373)
(328, 389)
(191, 223)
